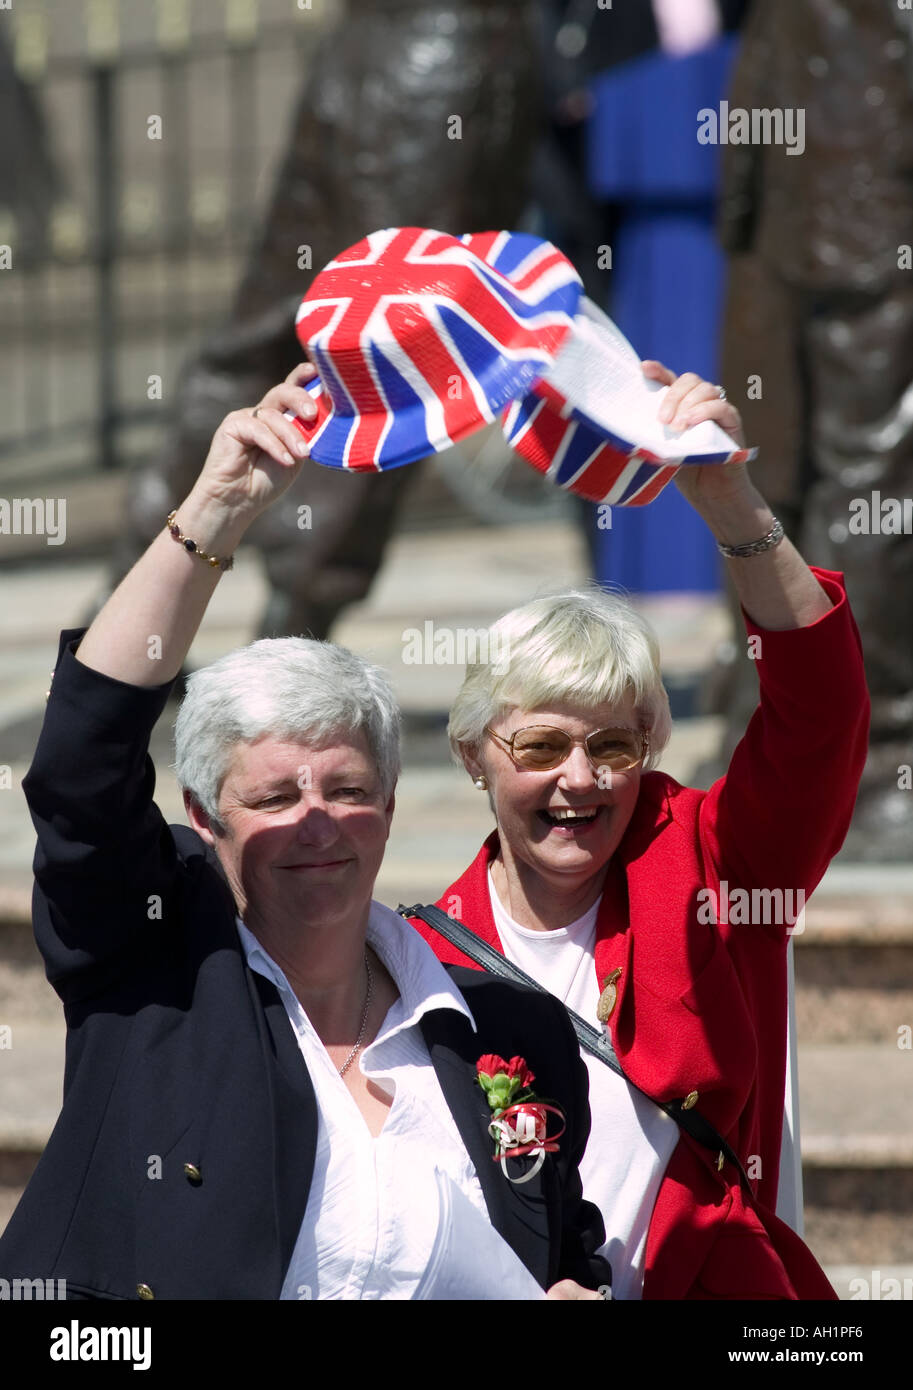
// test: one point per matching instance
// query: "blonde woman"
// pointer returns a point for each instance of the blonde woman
(614, 887)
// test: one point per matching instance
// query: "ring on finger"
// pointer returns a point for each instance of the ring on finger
(721, 392)
(256, 410)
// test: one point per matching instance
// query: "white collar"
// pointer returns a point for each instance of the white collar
(422, 981)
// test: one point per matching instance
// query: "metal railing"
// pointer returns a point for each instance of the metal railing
(159, 150)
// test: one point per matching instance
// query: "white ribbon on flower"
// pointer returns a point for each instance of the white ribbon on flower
(509, 1136)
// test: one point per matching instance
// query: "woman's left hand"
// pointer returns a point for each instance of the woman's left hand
(776, 588)
(568, 1289)
(689, 401)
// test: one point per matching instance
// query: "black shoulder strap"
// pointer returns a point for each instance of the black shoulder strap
(595, 1041)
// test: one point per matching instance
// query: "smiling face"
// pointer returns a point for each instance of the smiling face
(538, 838)
(303, 832)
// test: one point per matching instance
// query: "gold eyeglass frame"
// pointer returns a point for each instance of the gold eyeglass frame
(508, 744)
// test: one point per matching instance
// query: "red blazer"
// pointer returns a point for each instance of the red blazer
(703, 1006)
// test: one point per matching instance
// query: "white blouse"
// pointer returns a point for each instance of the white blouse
(401, 1215)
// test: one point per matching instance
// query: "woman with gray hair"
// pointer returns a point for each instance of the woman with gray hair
(660, 914)
(273, 1088)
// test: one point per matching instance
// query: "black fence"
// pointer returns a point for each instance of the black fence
(128, 194)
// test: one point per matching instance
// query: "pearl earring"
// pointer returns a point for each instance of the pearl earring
(480, 783)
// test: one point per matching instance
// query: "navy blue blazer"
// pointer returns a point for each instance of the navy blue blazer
(181, 1162)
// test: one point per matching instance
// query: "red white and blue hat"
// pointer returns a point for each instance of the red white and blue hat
(568, 427)
(420, 338)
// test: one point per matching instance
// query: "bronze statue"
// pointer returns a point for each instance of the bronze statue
(818, 340)
(415, 113)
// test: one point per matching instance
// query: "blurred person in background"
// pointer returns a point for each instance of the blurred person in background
(630, 194)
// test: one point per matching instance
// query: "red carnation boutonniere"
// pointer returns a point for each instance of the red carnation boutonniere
(519, 1123)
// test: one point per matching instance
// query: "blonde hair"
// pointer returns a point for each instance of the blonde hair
(585, 646)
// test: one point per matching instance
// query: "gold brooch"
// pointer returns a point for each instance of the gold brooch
(608, 997)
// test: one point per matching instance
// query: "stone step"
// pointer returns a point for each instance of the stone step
(856, 1222)
(862, 904)
(858, 1214)
(855, 1099)
(846, 993)
(853, 961)
(854, 1128)
(855, 1104)
(853, 992)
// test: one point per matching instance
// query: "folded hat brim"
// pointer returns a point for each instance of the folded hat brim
(580, 459)
(564, 429)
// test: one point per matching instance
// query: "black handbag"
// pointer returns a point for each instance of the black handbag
(597, 1042)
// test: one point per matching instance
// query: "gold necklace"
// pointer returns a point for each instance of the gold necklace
(364, 1019)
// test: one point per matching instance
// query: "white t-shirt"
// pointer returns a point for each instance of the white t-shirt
(631, 1139)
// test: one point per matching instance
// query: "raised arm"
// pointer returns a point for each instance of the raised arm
(252, 461)
(784, 807)
(776, 587)
(106, 867)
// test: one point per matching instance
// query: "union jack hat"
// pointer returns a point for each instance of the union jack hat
(569, 425)
(420, 338)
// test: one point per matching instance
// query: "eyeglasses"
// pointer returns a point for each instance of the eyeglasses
(540, 747)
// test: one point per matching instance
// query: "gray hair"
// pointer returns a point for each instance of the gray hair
(583, 646)
(290, 687)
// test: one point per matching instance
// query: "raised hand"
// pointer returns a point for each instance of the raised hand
(256, 453)
(689, 401)
(776, 587)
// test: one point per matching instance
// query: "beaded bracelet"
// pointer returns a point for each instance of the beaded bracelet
(194, 549)
(743, 552)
